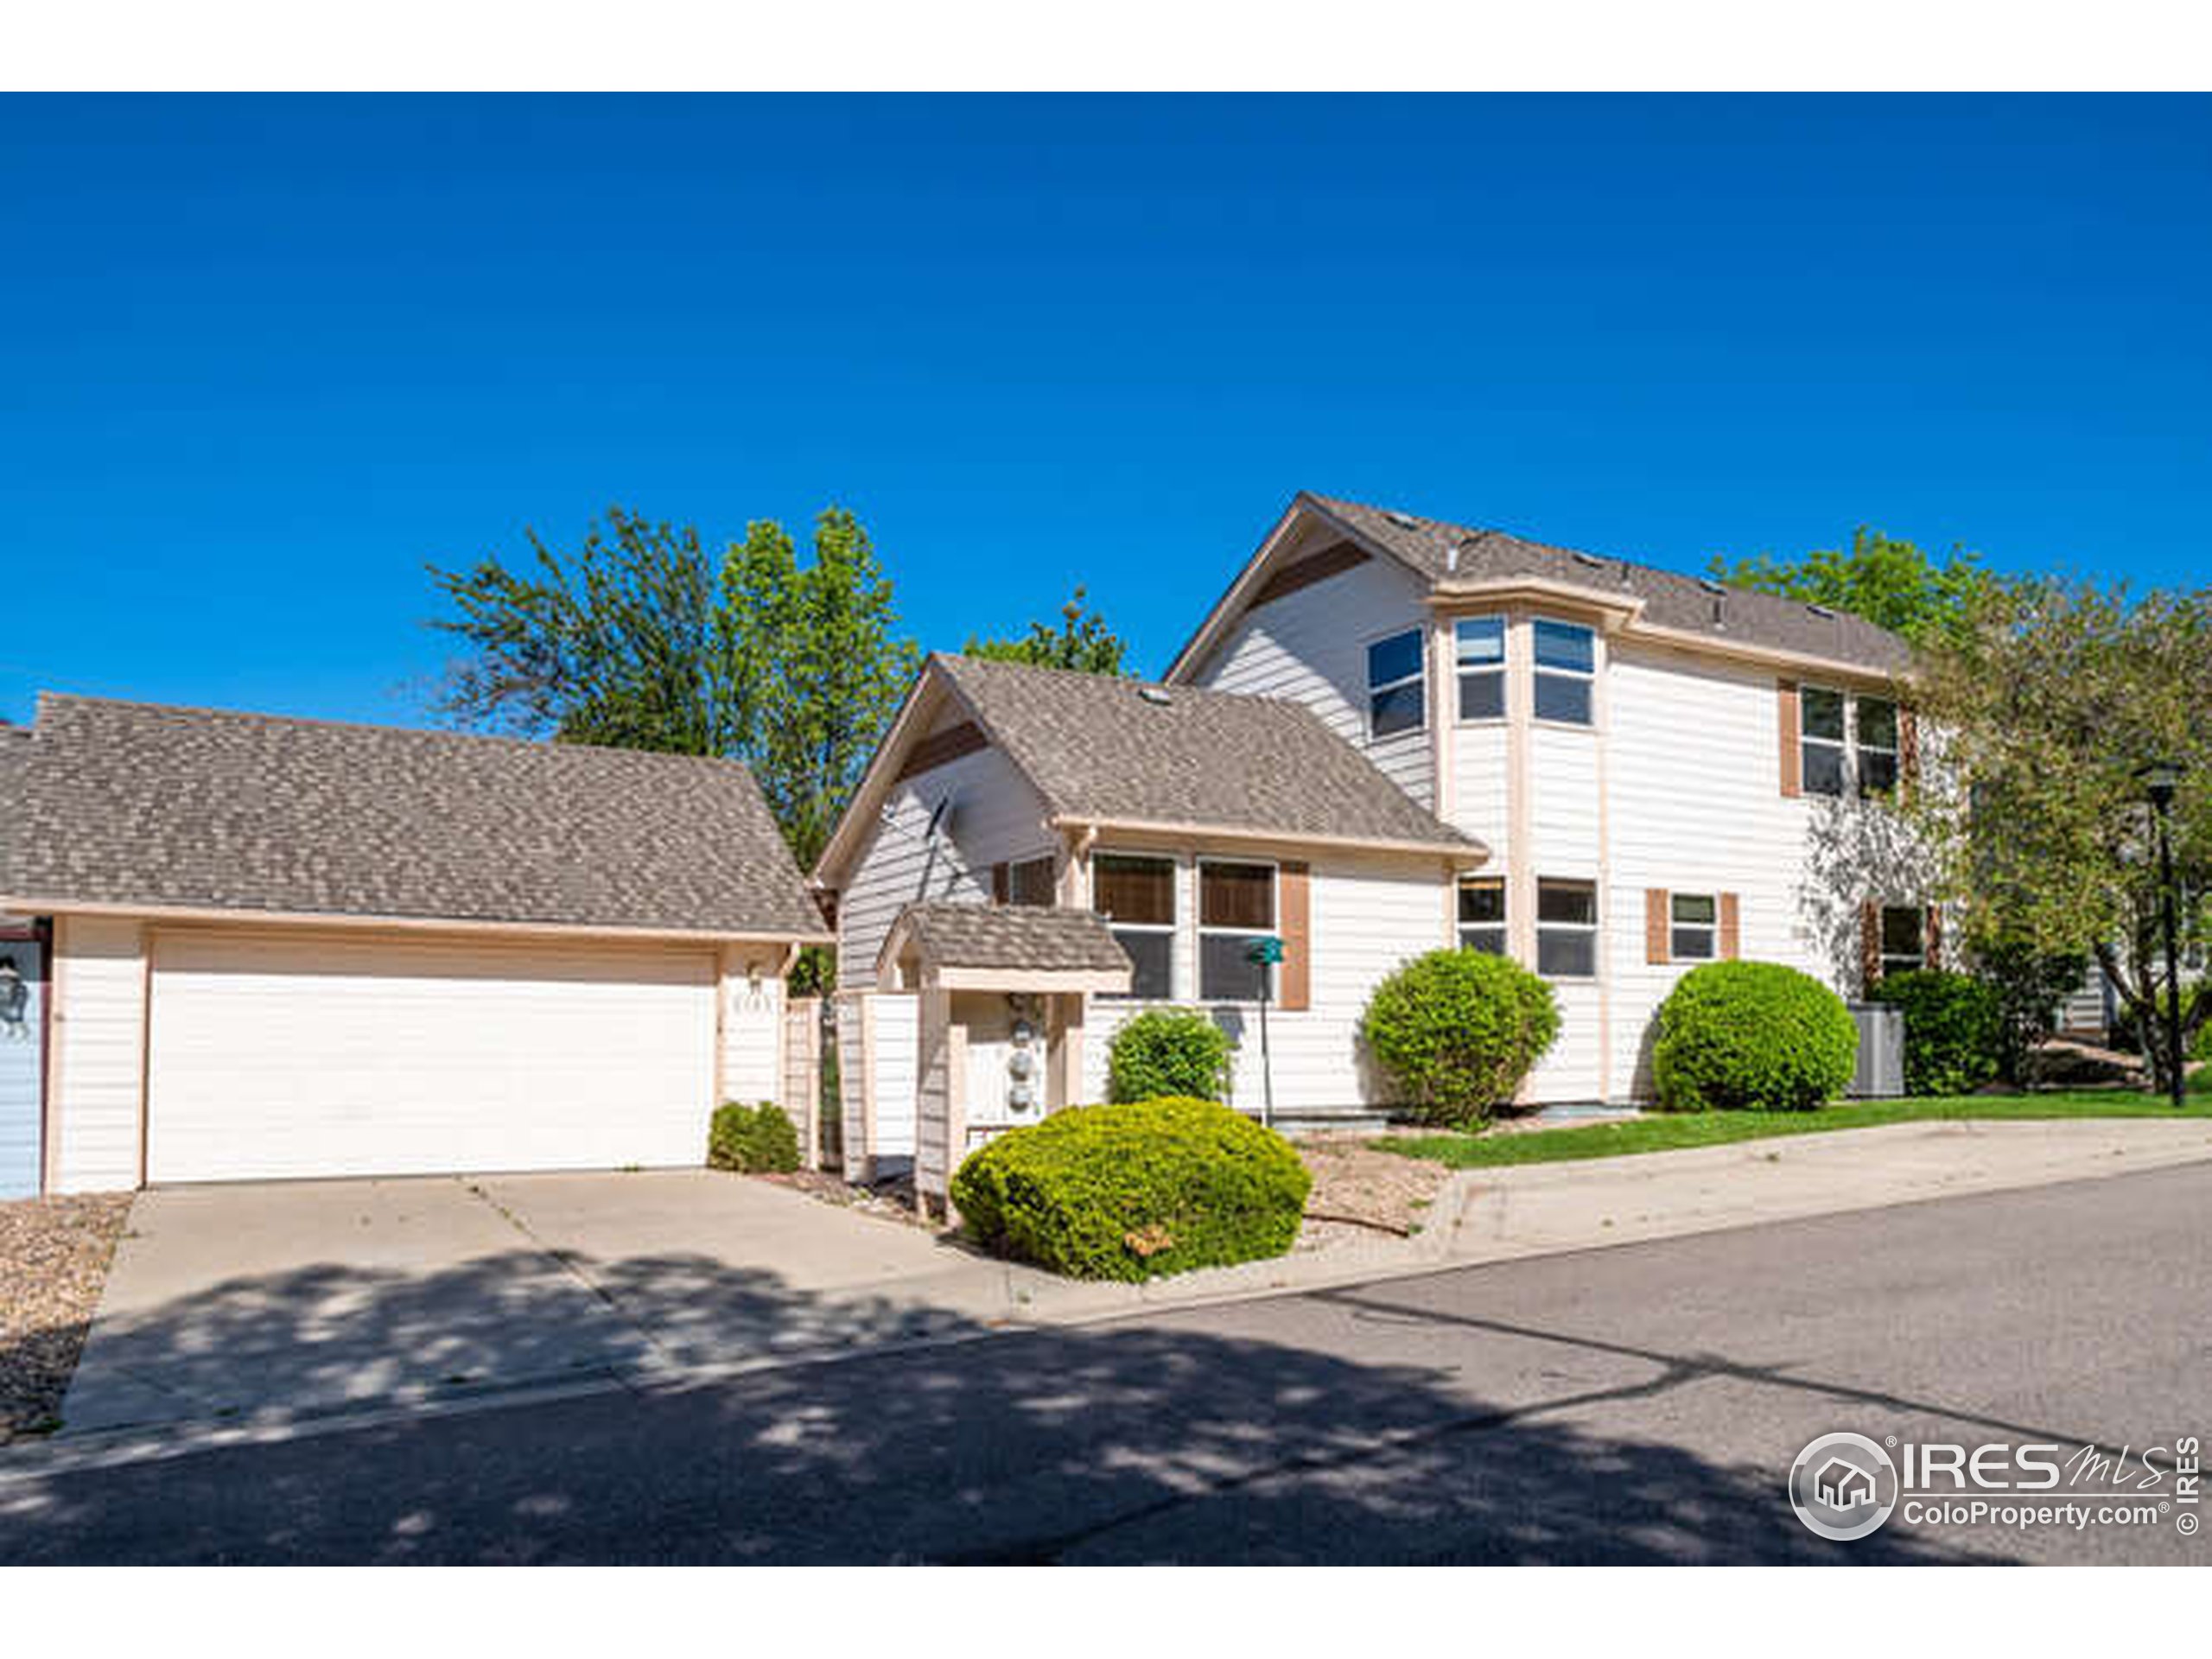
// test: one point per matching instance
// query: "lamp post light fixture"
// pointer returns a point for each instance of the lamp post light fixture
(2160, 780)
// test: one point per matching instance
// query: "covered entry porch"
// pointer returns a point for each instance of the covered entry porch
(1001, 992)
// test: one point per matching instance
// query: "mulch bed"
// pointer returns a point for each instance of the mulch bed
(1359, 1193)
(53, 1260)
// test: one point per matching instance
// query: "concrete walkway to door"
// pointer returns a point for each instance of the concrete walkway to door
(283, 1300)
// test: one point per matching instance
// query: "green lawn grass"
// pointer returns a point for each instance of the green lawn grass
(1664, 1131)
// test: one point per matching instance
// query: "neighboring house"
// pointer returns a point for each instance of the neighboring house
(1393, 733)
(290, 948)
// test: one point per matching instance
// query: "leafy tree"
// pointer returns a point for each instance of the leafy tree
(1886, 581)
(2049, 695)
(1083, 642)
(642, 637)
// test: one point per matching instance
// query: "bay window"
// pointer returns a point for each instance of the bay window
(1567, 930)
(1566, 670)
(1479, 647)
(1482, 914)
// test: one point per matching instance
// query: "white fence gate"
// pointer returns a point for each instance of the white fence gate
(878, 1038)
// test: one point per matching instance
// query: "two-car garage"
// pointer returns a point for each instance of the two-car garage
(271, 1056)
(287, 949)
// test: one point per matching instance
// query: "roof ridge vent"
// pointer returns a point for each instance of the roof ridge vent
(1402, 520)
(1710, 584)
(1157, 696)
(1590, 559)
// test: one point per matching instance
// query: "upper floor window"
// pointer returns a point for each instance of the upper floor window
(1236, 905)
(1567, 668)
(1567, 930)
(1832, 725)
(1137, 897)
(1394, 691)
(1875, 745)
(1480, 647)
(1820, 723)
(1482, 914)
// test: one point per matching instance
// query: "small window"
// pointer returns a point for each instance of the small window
(1395, 694)
(1567, 666)
(1904, 938)
(1030, 883)
(1567, 930)
(1877, 746)
(1482, 914)
(1481, 650)
(1236, 905)
(1690, 933)
(1819, 725)
(1137, 898)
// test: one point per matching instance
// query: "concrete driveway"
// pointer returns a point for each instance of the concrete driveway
(299, 1298)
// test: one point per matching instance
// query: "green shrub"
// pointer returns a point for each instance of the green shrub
(1168, 1051)
(1457, 1030)
(754, 1139)
(2031, 985)
(1134, 1192)
(2200, 1046)
(1953, 1029)
(1751, 1036)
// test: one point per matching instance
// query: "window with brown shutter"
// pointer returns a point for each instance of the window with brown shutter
(1731, 927)
(1655, 925)
(1296, 976)
(1785, 708)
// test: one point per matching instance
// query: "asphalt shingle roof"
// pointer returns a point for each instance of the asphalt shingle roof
(954, 935)
(1106, 750)
(1450, 553)
(126, 802)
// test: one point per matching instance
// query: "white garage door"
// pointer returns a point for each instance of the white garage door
(273, 1057)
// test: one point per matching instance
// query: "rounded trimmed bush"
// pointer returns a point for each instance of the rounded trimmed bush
(1953, 1029)
(756, 1140)
(1168, 1051)
(1751, 1036)
(1457, 1030)
(1134, 1192)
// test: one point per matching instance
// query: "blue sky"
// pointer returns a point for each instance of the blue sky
(261, 360)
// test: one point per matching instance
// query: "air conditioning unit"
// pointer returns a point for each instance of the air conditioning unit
(1880, 1075)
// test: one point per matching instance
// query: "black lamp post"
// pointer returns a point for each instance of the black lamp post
(2160, 779)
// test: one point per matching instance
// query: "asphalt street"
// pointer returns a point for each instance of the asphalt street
(1640, 1404)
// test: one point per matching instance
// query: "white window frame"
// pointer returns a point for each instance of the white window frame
(1591, 928)
(1501, 671)
(1419, 677)
(1860, 746)
(1198, 914)
(1840, 743)
(1502, 927)
(1172, 929)
(1538, 671)
(1676, 927)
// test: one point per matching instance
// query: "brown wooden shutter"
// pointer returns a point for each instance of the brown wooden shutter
(1869, 944)
(1001, 884)
(1732, 933)
(1785, 711)
(1931, 938)
(1295, 977)
(1907, 752)
(1655, 920)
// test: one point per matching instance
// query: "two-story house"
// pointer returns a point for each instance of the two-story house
(1393, 733)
